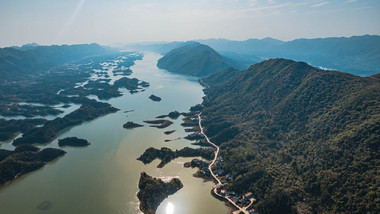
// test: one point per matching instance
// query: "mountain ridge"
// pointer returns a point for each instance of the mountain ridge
(359, 55)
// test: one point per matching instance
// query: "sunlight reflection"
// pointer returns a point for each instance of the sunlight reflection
(170, 208)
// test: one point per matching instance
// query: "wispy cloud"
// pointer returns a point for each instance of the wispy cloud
(276, 6)
(320, 4)
(350, 1)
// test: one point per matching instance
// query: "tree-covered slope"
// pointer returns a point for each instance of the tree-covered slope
(300, 138)
(195, 60)
(221, 77)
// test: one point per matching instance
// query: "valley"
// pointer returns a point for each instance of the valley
(260, 139)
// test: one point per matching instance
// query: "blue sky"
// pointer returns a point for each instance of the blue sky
(125, 21)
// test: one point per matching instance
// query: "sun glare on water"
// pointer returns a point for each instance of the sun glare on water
(170, 208)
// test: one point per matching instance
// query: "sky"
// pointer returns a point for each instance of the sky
(109, 22)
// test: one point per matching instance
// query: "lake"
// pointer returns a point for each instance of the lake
(103, 177)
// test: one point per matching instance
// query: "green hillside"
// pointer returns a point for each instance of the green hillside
(221, 77)
(300, 138)
(195, 60)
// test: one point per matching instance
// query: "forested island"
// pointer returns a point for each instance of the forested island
(169, 132)
(155, 98)
(159, 123)
(131, 125)
(153, 191)
(166, 154)
(73, 141)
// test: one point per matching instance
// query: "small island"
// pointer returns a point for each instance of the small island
(168, 140)
(159, 123)
(73, 141)
(153, 191)
(130, 84)
(166, 155)
(172, 115)
(131, 125)
(155, 98)
(169, 132)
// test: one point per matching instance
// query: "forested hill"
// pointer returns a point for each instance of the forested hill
(17, 61)
(195, 60)
(300, 138)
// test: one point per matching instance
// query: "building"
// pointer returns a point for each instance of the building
(248, 195)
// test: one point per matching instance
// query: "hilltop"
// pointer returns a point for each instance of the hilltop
(195, 60)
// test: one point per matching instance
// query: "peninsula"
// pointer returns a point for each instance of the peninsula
(23, 160)
(159, 123)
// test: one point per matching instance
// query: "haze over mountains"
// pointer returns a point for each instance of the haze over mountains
(357, 55)
(34, 58)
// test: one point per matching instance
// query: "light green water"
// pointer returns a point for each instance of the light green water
(103, 177)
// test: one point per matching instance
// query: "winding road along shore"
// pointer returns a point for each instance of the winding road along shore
(219, 183)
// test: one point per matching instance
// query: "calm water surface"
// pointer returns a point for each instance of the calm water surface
(103, 177)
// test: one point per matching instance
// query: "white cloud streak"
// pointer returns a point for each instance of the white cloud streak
(320, 4)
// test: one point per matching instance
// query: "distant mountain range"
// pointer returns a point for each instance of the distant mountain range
(33, 58)
(195, 60)
(358, 55)
(300, 138)
(158, 47)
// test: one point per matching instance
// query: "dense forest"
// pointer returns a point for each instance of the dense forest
(24, 159)
(196, 60)
(153, 191)
(301, 139)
